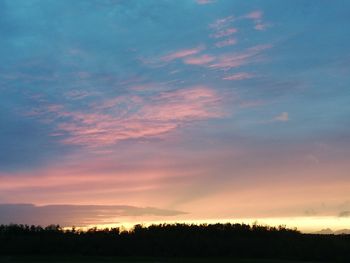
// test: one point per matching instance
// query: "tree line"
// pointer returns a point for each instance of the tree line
(176, 240)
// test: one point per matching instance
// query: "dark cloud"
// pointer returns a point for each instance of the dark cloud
(344, 214)
(78, 215)
(310, 212)
(328, 231)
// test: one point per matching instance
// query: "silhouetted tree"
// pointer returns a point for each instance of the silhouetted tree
(176, 240)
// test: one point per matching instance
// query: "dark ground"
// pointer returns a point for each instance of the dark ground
(170, 243)
(41, 259)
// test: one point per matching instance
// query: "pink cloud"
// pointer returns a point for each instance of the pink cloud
(54, 108)
(79, 94)
(222, 22)
(239, 76)
(204, 2)
(184, 105)
(227, 42)
(91, 177)
(199, 60)
(261, 26)
(225, 32)
(226, 62)
(133, 117)
(110, 131)
(255, 15)
(182, 53)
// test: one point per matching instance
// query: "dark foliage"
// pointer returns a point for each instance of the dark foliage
(178, 240)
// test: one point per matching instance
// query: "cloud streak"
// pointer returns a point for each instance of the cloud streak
(75, 215)
(255, 15)
(199, 60)
(228, 61)
(132, 116)
(225, 32)
(182, 53)
(225, 43)
(283, 117)
(344, 214)
(204, 2)
(239, 76)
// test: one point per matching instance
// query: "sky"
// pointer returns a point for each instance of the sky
(137, 111)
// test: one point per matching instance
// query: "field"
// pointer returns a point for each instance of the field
(17, 259)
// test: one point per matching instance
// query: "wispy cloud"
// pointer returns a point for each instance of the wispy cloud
(239, 76)
(255, 15)
(224, 33)
(344, 214)
(182, 53)
(224, 24)
(79, 94)
(227, 42)
(261, 26)
(204, 2)
(199, 60)
(221, 23)
(226, 62)
(283, 117)
(257, 18)
(78, 215)
(133, 117)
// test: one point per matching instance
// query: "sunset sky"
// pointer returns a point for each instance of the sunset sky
(136, 111)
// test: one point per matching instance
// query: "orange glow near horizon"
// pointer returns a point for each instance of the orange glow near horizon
(303, 224)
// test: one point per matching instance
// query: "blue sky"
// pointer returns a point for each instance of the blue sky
(190, 98)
